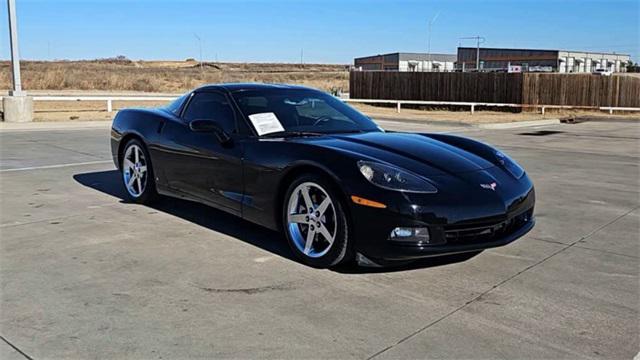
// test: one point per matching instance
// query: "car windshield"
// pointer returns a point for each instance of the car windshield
(301, 111)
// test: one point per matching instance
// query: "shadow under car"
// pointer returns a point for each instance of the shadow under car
(110, 182)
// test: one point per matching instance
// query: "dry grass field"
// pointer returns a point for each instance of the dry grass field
(167, 76)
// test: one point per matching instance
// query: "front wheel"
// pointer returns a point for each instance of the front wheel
(137, 173)
(315, 222)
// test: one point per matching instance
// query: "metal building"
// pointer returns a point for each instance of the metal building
(563, 61)
(406, 62)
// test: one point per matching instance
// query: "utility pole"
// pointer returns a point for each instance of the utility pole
(17, 107)
(302, 58)
(200, 47)
(479, 40)
(478, 52)
(433, 19)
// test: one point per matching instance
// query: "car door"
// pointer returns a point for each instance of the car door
(198, 163)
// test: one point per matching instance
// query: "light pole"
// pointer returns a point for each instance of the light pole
(15, 55)
(17, 107)
(433, 19)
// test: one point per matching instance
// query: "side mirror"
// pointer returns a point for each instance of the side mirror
(210, 126)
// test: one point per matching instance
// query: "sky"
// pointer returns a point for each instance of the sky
(322, 31)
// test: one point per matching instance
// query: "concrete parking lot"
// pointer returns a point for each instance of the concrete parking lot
(85, 274)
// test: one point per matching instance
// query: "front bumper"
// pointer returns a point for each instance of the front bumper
(394, 252)
(453, 229)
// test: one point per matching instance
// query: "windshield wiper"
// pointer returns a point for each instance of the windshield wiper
(348, 132)
(293, 134)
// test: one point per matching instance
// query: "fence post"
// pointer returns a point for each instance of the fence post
(610, 111)
(543, 110)
(399, 105)
(109, 106)
(473, 108)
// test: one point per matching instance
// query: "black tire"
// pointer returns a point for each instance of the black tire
(340, 250)
(149, 193)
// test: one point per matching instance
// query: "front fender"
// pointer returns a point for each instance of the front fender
(270, 164)
(144, 124)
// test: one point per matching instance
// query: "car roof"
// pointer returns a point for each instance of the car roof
(233, 87)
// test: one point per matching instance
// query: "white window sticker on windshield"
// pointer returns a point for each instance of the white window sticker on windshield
(266, 123)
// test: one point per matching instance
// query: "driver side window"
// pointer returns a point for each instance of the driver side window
(211, 106)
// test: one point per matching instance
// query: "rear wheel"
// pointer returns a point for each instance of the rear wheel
(315, 222)
(137, 173)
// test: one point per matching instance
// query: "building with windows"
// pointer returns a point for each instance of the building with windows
(406, 62)
(562, 61)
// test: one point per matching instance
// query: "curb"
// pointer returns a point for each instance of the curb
(424, 122)
(581, 119)
(519, 124)
(494, 126)
(61, 125)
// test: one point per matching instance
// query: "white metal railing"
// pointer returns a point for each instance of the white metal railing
(108, 99)
(472, 105)
(612, 109)
(399, 103)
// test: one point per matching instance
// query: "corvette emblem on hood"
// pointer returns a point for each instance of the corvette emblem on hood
(491, 186)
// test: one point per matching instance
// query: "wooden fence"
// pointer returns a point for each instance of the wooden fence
(526, 88)
(581, 90)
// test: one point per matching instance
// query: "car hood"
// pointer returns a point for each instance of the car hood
(415, 152)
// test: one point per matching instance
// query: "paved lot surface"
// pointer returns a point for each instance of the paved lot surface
(86, 275)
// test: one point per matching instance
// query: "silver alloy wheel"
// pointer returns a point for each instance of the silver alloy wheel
(134, 170)
(311, 220)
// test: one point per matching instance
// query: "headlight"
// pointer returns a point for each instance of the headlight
(512, 167)
(392, 178)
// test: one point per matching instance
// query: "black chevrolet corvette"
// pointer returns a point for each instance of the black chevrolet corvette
(339, 187)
